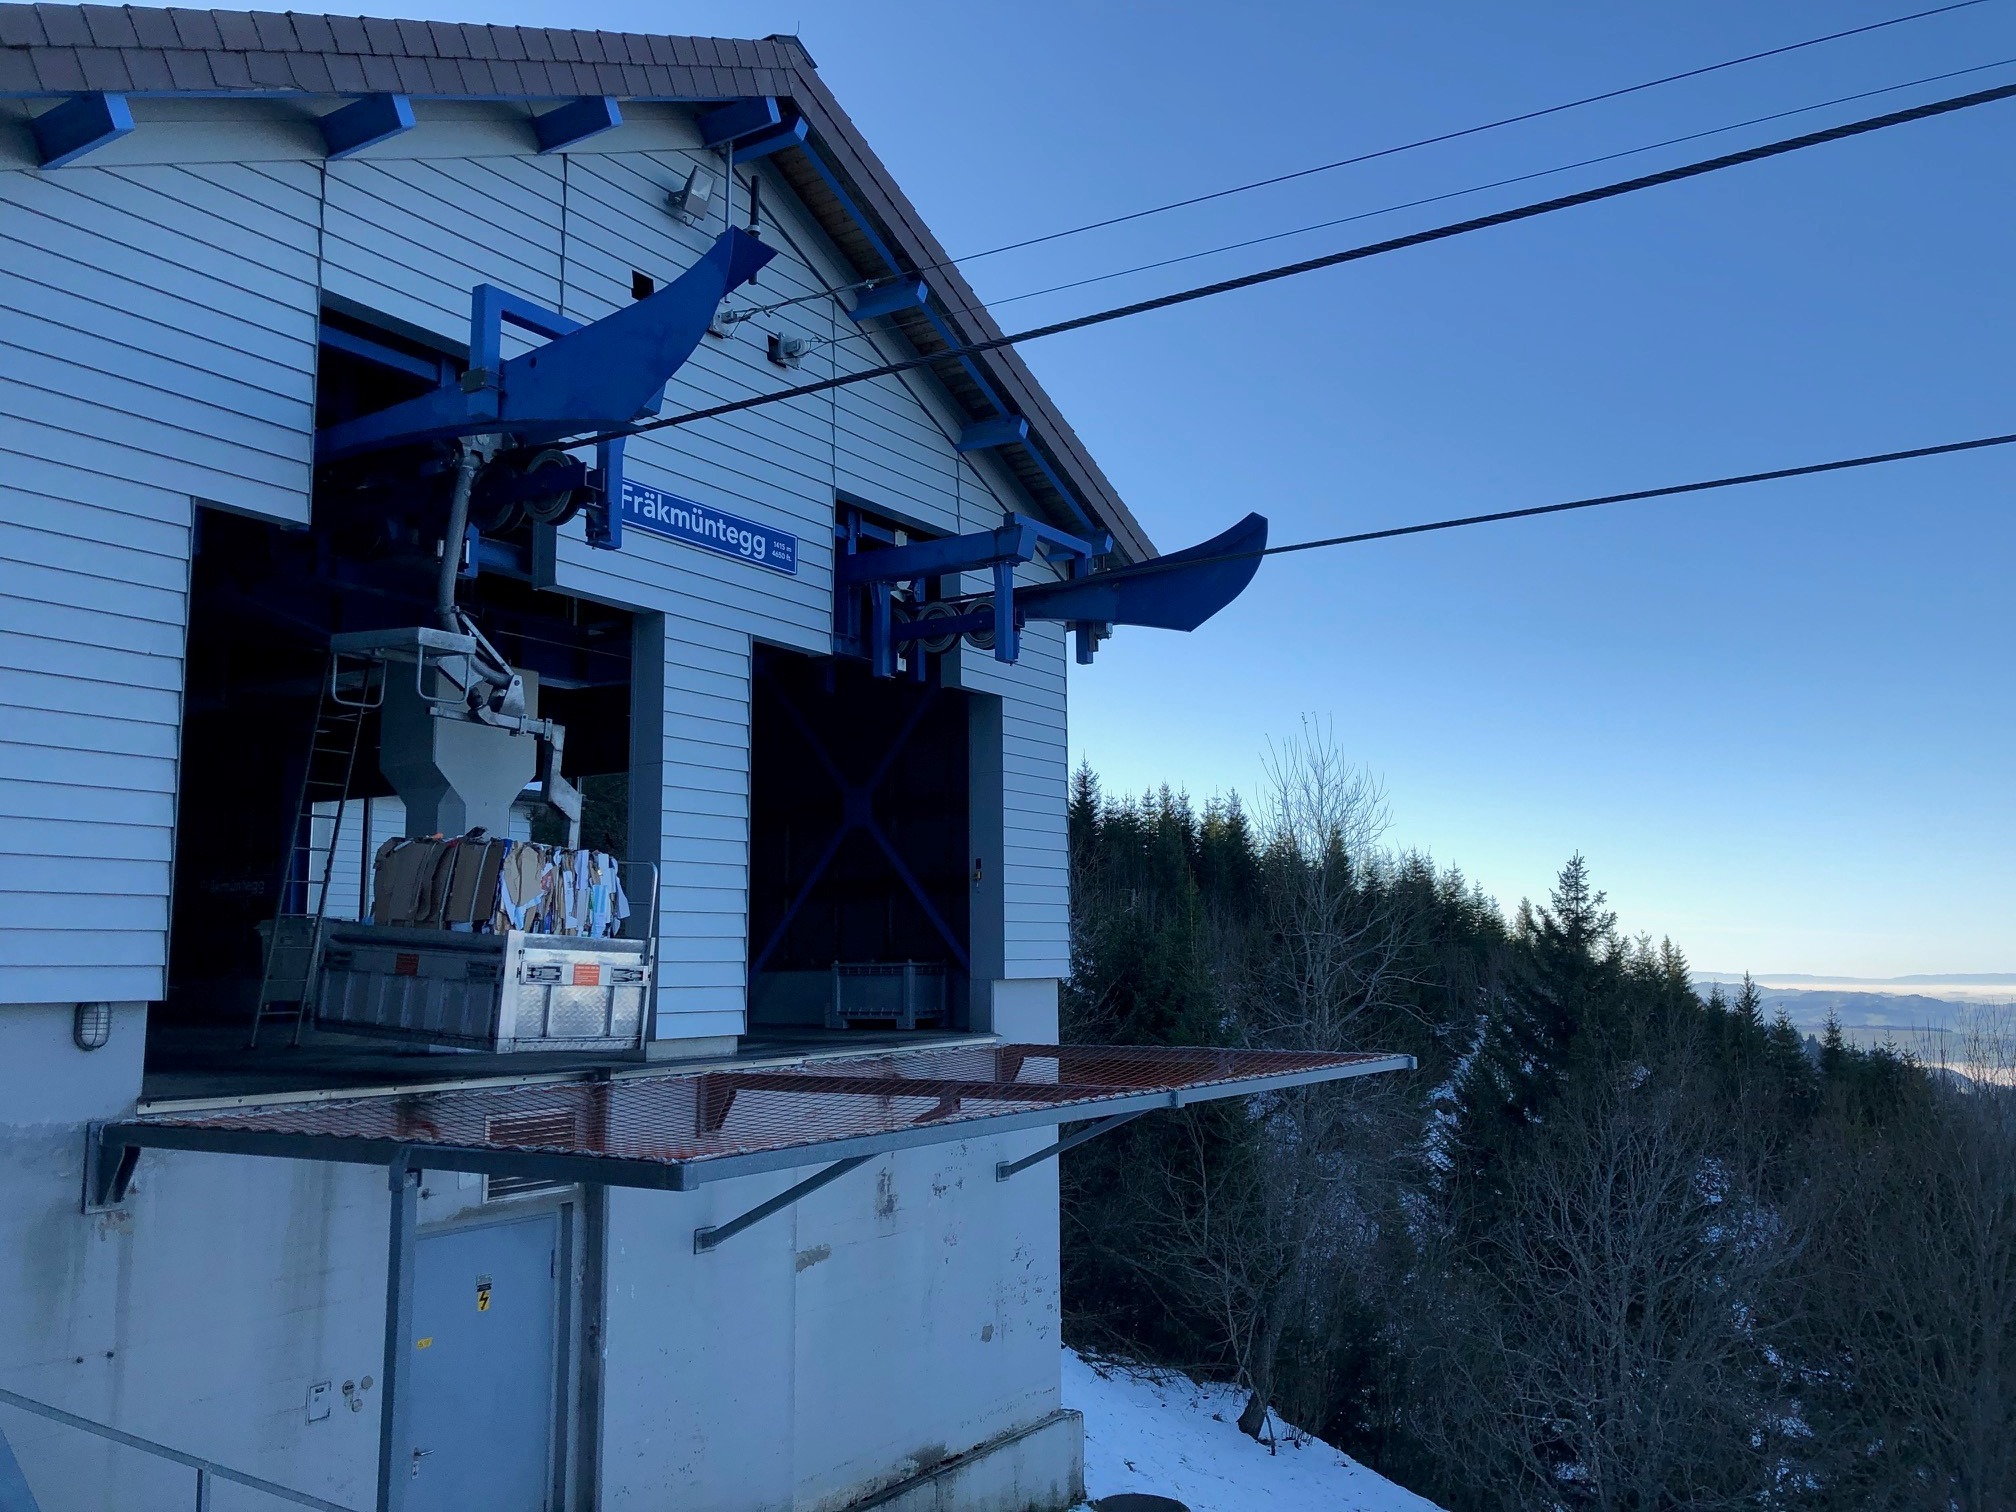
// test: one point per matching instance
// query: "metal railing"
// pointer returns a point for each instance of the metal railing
(207, 1471)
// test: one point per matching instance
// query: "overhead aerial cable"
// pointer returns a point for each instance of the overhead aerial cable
(1372, 156)
(1435, 199)
(1511, 216)
(1533, 511)
(1466, 131)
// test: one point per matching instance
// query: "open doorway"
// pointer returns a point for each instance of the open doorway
(265, 601)
(860, 872)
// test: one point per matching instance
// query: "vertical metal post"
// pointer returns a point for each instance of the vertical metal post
(202, 1489)
(395, 1465)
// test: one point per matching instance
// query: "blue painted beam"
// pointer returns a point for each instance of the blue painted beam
(791, 134)
(739, 118)
(1003, 430)
(576, 121)
(83, 123)
(909, 294)
(365, 122)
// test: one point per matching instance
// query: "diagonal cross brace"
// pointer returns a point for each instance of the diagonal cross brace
(857, 811)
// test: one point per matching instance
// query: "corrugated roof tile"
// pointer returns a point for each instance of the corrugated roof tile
(507, 42)
(276, 32)
(108, 25)
(237, 30)
(447, 39)
(538, 79)
(230, 69)
(189, 68)
(538, 46)
(383, 36)
(21, 27)
(684, 53)
(104, 69)
(589, 44)
(414, 39)
(349, 33)
(566, 46)
(17, 71)
(57, 68)
(413, 75)
(311, 72)
(270, 70)
(153, 28)
(64, 26)
(660, 49)
(444, 74)
(346, 73)
(636, 46)
(510, 79)
(196, 28)
(381, 75)
(479, 42)
(476, 78)
(636, 79)
(148, 68)
(314, 33)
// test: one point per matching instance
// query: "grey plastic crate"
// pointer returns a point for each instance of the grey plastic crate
(902, 994)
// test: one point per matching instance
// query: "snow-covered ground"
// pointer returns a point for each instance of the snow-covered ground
(1171, 1437)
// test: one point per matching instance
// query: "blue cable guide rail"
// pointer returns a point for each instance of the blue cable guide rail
(703, 525)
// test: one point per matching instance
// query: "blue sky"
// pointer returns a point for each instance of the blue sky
(1778, 721)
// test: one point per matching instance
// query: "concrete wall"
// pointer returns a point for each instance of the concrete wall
(897, 1318)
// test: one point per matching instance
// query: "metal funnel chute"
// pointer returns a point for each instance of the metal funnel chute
(882, 613)
(1179, 591)
(585, 378)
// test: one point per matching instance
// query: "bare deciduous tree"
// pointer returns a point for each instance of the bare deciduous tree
(1597, 1346)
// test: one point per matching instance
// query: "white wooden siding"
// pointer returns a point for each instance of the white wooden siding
(157, 344)
(697, 758)
(92, 601)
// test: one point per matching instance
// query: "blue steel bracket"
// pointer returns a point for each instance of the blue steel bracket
(594, 377)
(83, 123)
(364, 123)
(1000, 552)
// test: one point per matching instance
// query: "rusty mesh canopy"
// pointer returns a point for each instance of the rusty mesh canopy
(680, 1129)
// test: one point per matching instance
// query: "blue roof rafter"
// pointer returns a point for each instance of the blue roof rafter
(83, 123)
(738, 118)
(905, 294)
(983, 435)
(791, 134)
(365, 122)
(853, 211)
(576, 121)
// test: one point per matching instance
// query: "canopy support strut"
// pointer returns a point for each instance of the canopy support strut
(705, 1239)
(1004, 1169)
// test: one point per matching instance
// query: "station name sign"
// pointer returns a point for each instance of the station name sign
(707, 527)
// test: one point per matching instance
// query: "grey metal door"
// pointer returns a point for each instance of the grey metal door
(484, 1320)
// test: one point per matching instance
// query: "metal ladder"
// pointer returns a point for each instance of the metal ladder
(294, 947)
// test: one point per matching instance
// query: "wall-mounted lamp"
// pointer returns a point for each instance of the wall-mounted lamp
(92, 1026)
(692, 202)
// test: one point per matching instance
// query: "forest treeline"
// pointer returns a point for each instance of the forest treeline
(1613, 1245)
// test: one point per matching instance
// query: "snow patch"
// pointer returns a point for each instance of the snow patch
(1166, 1435)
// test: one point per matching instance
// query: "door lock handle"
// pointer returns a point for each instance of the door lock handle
(419, 1455)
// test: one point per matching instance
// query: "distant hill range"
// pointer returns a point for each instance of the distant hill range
(1916, 1012)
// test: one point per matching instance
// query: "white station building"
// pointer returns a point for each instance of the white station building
(529, 943)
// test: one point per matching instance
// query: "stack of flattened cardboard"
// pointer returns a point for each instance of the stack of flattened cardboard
(437, 883)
